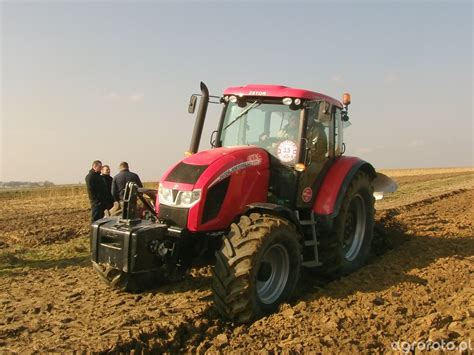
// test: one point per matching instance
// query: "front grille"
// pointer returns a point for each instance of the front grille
(175, 216)
(186, 173)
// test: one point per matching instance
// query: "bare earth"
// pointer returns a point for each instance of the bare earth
(418, 285)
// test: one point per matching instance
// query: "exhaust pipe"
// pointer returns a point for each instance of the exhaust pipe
(201, 116)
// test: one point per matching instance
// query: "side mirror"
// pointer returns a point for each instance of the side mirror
(192, 104)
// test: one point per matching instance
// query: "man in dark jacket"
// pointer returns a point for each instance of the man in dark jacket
(97, 191)
(105, 174)
(121, 179)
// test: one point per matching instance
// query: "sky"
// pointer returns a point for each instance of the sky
(86, 80)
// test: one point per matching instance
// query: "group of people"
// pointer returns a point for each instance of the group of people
(104, 191)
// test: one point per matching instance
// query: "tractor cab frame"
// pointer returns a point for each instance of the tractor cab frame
(263, 116)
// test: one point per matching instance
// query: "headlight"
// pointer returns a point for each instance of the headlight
(165, 195)
(188, 198)
(185, 199)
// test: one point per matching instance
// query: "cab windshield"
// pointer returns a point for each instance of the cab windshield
(272, 126)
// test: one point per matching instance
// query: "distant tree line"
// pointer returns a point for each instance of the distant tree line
(16, 184)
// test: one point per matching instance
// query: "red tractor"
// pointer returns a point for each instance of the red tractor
(274, 194)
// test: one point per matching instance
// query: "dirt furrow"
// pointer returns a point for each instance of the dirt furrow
(418, 285)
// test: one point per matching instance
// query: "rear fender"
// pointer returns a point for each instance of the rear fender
(335, 183)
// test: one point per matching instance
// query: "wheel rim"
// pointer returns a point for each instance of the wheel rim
(354, 228)
(273, 274)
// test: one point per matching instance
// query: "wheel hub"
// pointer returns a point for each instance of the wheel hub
(264, 272)
(273, 273)
(354, 228)
(349, 228)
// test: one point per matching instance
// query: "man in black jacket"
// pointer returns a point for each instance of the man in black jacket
(121, 179)
(97, 191)
(105, 174)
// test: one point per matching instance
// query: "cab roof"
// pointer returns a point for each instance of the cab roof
(279, 91)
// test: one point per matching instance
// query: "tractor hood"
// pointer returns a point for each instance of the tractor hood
(207, 157)
(206, 168)
(204, 192)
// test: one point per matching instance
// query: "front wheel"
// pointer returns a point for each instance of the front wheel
(257, 267)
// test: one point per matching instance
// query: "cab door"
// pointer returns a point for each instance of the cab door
(320, 150)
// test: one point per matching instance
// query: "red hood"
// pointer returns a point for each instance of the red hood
(243, 170)
(217, 161)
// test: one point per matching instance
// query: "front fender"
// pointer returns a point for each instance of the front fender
(273, 209)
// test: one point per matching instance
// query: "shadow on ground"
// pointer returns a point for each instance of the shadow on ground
(395, 252)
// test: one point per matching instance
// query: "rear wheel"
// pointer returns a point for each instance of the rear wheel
(257, 267)
(345, 247)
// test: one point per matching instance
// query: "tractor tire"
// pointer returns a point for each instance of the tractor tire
(121, 280)
(257, 267)
(345, 247)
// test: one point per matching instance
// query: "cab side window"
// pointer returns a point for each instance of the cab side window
(318, 131)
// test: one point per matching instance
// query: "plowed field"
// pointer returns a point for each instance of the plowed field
(417, 286)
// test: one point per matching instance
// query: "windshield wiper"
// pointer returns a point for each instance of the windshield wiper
(252, 105)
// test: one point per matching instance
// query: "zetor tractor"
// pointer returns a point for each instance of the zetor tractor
(275, 194)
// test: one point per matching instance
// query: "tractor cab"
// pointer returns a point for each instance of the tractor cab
(301, 131)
